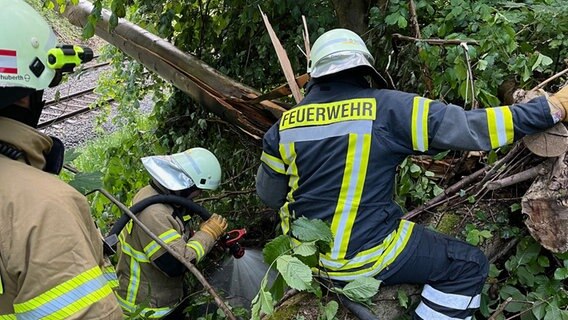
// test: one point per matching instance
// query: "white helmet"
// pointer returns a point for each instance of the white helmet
(24, 45)
(194, 167)
(338, 50)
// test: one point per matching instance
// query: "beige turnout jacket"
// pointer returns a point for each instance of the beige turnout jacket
(51, 257)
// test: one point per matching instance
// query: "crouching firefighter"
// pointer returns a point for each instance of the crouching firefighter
(51, 254)
(334, 157)
(147, 273)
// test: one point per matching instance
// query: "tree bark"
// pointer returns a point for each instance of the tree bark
(353, 14)
(546, 204)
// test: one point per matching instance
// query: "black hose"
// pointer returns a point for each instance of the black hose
(357, 309)
(161, 198)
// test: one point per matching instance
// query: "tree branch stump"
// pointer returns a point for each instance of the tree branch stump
(546, 204)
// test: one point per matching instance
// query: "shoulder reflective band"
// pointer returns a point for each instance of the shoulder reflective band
(419, 124)
(318, 114)
(67, 298)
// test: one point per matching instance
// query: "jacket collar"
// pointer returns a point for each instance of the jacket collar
(33, 143)
(342, 79)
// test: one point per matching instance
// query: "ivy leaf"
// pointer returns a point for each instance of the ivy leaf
(361, 289)
(296, 274)
(330, 310)
(311, 230)
(275, 248)
(306, 249)
(402, 298)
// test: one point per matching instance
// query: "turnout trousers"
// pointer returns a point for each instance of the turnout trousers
(453, 273)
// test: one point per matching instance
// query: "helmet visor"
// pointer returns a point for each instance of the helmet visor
(167, 172)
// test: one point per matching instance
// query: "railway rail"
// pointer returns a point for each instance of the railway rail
(71, 105)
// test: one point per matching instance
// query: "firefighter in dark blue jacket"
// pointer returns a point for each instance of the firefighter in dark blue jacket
(334, 157)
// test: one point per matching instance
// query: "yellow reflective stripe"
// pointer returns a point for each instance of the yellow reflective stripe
(274, 163)
(167, 236)
(110, 275)
(134, 281)
(419, 125)
(355, 171)
(198, 248)
(361, 259)
(67, 298)
(128, 250)
(500, 125)
(288, 154)
(318, 114)
(130, 308)
(8, 317)
(1, 286)
(391, 253)
(186, 218)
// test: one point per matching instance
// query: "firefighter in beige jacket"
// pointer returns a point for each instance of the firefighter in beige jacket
(150, 277)
(51, 257)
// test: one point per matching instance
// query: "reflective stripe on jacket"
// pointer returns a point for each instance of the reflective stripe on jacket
(51, 255)
(340, 148)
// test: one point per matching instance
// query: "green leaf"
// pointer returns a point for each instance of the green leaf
(402, 298)
(89, 30)
(263, 301)
(306, 249)
(278, 288)
(330, 310)
(70, 155)
(441, 155)
(515, 207)
(86, 182)
(473, 237)
(494, 271)
(561, 273)
(275, 248)
(361, 289)
(296, 274)
(311, 230)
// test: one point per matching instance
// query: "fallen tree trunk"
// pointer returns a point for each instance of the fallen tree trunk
(218, 93)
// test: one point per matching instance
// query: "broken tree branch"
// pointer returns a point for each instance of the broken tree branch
(518, 177)
(545, 82)
(283, 59)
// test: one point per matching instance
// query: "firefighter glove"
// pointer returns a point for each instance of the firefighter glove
(559, 100)
(214, 226)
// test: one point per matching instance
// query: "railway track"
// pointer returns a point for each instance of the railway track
(64, 108)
